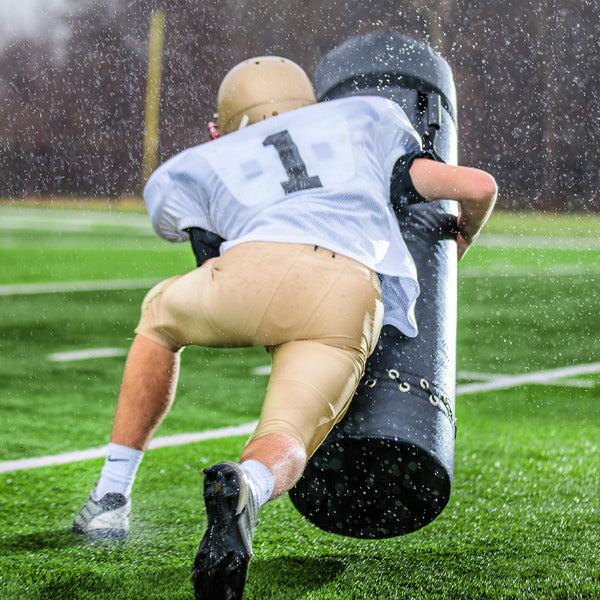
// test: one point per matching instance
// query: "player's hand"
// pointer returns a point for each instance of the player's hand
(466, 235)
(462, 245)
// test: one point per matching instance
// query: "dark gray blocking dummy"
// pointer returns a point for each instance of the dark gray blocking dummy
(386, 469)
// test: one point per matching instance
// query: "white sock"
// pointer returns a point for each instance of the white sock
(118, 473)
(261, 480)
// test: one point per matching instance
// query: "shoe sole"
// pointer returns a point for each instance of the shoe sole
(98, 535)
(221, 563)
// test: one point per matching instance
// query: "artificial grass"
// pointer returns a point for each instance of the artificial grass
(523, 519)
(522, 522)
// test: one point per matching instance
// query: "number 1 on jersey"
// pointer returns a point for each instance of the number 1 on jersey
(292, 162)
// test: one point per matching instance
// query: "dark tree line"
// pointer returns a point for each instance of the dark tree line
(527, 76)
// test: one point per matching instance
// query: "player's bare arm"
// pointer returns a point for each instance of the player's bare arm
(474, 189)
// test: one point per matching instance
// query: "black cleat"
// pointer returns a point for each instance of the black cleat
(221, 563)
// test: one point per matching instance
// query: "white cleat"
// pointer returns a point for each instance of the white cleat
(104, 519)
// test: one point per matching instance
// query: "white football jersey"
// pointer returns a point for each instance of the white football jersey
(316, 175)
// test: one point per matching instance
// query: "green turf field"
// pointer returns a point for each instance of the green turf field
(524, 517)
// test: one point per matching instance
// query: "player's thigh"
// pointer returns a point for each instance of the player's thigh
(176, 312)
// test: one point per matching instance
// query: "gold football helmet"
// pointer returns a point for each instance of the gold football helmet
(259, 88)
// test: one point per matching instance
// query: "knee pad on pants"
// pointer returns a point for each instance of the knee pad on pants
(152, 323)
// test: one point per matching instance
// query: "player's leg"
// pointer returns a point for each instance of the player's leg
(179, 311)
(330, 303)
(147, 392)
(311, 385)
(146, 395)
(283, 455)
(309, 390)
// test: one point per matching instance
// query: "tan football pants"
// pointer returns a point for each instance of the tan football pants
(318, 314)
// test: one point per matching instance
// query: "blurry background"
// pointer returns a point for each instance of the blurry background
(73, 81)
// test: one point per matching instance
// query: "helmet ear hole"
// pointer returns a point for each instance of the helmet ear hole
(262, 87)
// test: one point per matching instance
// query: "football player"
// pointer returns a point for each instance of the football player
(288, 211)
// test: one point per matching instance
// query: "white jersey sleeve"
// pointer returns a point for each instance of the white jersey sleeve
(174, 201)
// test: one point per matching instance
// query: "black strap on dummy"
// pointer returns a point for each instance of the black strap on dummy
(204, 244)
(434, 123)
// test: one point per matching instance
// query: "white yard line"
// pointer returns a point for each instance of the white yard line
(55, 218)
(510, 271)
(76, 286)
(181, 439)
(516, 240)
(78, 226)
(543, 377)
(497, 383)
(8, 224)
(487, 377)
(501, 381)
(86, 354)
